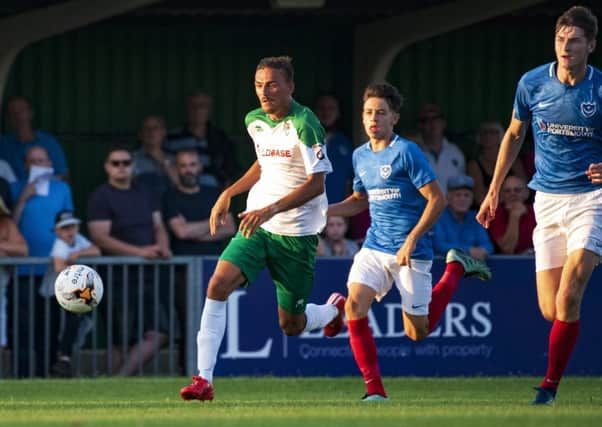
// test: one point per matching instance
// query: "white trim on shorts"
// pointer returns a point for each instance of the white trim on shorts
(378, 270)
(565, 223)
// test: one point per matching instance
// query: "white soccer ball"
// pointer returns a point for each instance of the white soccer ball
(78, 288)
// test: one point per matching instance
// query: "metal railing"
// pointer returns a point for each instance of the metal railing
(137, 292)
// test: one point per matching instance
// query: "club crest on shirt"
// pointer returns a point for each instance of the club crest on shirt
(588, 109)
(318, 151)
(385, 171)
(287, 128)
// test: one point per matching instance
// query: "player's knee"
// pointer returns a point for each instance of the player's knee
(219, 288)
(417, 333)
(355, 310)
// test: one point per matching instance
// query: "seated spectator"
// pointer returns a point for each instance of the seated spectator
(338, 147)
(14, 145)
(124, 220)
(512, 228)
(12, 244)
(334, 242)
(482, 166)
(186, 210)
(39, 197)
(152, 166)
(68, 247)
(458, 227)
(216, 150)
(444, 156)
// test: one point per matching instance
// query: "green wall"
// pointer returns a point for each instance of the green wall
(91, 87)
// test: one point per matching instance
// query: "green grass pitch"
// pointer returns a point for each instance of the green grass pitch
(292, 402)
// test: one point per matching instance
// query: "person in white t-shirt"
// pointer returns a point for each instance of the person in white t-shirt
(68, 247)
(446, 159)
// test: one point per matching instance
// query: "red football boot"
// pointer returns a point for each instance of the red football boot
(200, 389)
(335, 326)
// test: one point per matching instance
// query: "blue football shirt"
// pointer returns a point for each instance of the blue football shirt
(391, 179)
(566, 124)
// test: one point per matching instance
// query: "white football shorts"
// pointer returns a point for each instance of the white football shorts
(378, 270)
(565, 223)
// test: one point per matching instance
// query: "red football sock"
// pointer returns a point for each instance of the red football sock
(443, 292)
(563, 337)
(364, 351)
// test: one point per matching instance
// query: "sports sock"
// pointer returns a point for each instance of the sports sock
(563, 337)
(210, 335)
(443, 292)
(319, 316)
(364, 352)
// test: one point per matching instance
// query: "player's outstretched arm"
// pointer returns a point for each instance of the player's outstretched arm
(509, 149)
(352, 205)
(221, 208)
(312, 187)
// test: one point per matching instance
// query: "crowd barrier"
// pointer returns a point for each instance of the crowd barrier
(489, 328)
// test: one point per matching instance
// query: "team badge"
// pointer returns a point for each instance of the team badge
(318, 151)
(588, 109)
(385, 171)
(258, 128)
(287, 128)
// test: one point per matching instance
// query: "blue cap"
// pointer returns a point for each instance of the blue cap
(460, 181)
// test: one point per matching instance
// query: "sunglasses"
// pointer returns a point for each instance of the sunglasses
(513, 190)
(117, 163)
(429, 119)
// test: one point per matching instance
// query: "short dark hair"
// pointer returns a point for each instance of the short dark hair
(386, 91)
(581, 17)
(118, 146)
(283, 63)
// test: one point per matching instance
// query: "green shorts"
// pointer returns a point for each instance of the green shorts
(290, 259)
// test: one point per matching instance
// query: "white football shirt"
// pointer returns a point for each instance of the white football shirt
(288, 150)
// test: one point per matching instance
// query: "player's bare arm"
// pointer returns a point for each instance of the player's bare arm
(221, 208)
(354, 204)
(435, 204)
(509, 149)
(594, 173)
(312, 187)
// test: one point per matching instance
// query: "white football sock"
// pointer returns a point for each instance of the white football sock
(210, 335)
(319, 316)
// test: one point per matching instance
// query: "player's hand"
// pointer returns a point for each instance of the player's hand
(219, 213)
(487, 210)
(594, 173)
(405, 252)
(252, 219)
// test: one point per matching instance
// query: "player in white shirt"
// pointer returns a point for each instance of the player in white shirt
(286, 209)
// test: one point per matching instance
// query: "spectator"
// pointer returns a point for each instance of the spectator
(186, 210)
(15, 145)
(334, 242)
(512, 227)
(457, 227)
(481, 167)
(12, 244)
(6, 171)
(339, 148)
(68, 247)
(38, 199)
(216, 149)
(445, 157)
(152, 166)
(124, 220)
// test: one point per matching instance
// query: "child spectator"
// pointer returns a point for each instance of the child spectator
(334, 242)
(68, 247)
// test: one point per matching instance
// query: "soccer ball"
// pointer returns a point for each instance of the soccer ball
(78, 288)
